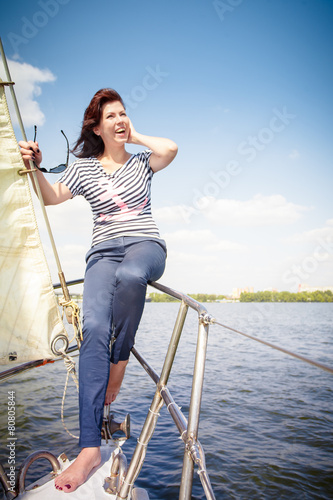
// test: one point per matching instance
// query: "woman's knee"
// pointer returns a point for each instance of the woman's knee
(130, 276)
(96, 330)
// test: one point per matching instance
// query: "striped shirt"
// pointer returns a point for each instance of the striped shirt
(120, 201)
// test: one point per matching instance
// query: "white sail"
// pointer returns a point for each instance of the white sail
(29, 316)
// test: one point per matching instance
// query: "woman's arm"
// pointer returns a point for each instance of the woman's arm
(163, 150)
(53, 194)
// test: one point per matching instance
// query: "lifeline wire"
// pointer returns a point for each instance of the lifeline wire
(273, 346)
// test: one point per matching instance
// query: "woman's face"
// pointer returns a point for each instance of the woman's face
(114, 125)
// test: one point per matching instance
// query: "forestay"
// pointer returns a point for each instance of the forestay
(29, 316)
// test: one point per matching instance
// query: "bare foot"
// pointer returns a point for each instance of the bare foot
(77, 473)
(117, 373)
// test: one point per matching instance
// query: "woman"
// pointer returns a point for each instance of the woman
(126, 253)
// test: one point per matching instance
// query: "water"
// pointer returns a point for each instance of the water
(266, 422)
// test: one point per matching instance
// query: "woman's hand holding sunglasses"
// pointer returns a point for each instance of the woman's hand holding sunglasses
(30, 152)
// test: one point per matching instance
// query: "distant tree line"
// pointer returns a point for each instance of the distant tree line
(161, 297)
(200, 297)
(316, 296)
(206, 297)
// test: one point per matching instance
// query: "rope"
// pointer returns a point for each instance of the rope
(142, 444)
(72, 318)
(273, 346)
(154, 412)
(70, 367)
(128, 484)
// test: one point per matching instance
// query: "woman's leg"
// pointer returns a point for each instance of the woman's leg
(144, 261)
(94, 361)
(93, 367)
(117, 373)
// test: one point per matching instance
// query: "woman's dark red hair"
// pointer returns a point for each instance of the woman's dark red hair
(90, 144)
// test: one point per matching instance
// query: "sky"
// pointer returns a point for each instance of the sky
(245, 90)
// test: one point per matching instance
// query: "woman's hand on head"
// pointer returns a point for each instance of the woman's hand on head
(131, 139)
(30, 152)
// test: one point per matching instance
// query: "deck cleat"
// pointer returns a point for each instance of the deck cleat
(111, 426)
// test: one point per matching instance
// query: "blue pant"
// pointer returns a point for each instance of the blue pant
(115, 285)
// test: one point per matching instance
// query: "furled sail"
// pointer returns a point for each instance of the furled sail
(29, 316)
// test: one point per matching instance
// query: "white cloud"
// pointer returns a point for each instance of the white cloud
(314, 235)
(190, 237)
(171, 215)
(190, 260)
(294, 155)
(225, 246)
(273, 210)
(204, 259)
(27, 87)
(220, 108)
(71, 226)
(71, 219)
(203, 239)
(198, 260)
(71, 258)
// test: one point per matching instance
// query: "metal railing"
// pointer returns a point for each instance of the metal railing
(188, 431)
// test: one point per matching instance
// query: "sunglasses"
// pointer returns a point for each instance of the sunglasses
(59, 168)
